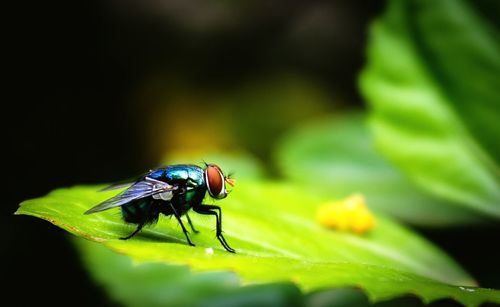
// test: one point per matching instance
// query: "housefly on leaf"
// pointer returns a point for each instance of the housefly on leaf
(171, 190)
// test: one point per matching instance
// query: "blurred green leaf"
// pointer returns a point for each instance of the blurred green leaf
(158, 284)
(335, 156)
(273, 229)
(338, 297)
(432, 82)
(463, 51)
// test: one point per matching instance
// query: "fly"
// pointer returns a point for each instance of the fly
(171, 190)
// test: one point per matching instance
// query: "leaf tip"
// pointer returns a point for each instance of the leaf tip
(20, 210)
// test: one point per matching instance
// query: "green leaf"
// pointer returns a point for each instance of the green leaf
(432, 81)
(463, 51)
(158, 284)
(273, 229)
(336, 156)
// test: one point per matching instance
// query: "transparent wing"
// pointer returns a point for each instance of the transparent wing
(121, 185)
(117, 186)
(140, 189)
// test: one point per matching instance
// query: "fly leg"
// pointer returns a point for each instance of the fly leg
(133, 233)
(177, 216)
(191, 224)
(210, 210)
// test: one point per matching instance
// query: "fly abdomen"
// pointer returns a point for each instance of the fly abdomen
(142, 211)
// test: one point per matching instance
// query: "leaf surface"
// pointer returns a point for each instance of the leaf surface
(272, 227)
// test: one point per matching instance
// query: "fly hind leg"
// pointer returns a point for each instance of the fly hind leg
(134, 233)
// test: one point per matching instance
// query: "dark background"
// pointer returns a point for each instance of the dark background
(71, 113)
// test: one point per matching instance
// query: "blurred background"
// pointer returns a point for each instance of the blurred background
(103, 90)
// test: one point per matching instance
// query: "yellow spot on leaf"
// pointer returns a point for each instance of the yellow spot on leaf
(348, 214)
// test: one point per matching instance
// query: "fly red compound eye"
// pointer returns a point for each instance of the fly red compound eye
(215, 181)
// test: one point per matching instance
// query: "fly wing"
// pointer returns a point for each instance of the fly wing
(122, 185)
(117, 186)
(141, 189)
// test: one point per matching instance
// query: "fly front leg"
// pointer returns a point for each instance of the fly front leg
(211, 210)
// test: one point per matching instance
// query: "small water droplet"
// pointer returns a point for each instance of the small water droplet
(466, 289)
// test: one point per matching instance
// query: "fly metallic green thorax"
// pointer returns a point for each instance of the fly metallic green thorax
(189, 175)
